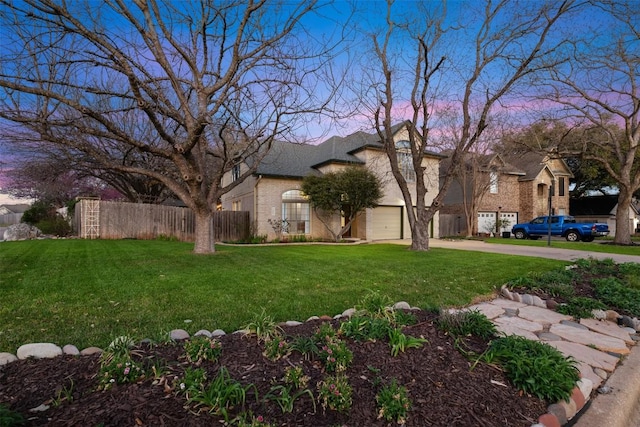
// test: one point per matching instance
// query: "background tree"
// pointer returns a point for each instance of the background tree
(426, 66)
(200, 86)
(347, 192)
(599, 96)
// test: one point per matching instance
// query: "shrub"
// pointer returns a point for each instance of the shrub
(534, 367)
(335, 393)
(611, 291)
(465, 323)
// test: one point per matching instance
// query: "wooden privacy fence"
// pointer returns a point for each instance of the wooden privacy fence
(119, 220)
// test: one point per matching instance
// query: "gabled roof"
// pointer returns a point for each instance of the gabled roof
(595, 205)
(484, 162)
(531, 163)
(17, 208)
(290, 160)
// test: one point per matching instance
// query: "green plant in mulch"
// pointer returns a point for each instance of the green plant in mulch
(613, 292)
(400, 342)
(393, 403)
(117, 365)
(376, 305)
(362, 328)
(534, 367)
(201, 348)
(580, 307)
(248, 419)
(9, 418)
(335, 393)
(275, 348)
(462, 323)
(335, 355)
(263, 327)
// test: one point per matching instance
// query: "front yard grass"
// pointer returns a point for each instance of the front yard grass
(86, 292)
(599, 245)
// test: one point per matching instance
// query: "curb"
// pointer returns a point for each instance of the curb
(616, 409)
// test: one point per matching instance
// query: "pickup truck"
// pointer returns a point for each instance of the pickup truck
(561, 225)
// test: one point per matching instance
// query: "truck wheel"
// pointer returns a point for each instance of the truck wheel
(572, 236)
(520, 234)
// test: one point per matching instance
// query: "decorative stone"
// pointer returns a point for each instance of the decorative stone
(527, 299)
(511, 312)
(599, 314)
(588, 372)
(40, 408)
(326, 317)
(202, 332)
(590, 338)
(552, 304)
(559, 412)
(401, 305)
(539, 302)
(241, 332)
(548, 336)
(628, 322)
(489, 310)
(519, 323)
(569, 407)
(582, 353)
(516, 297)
(38, 351)
(349, 312)
(505, 303)
(574, 324)
(578, 398)
(7, 358)
(178, 335)
(71, 350)
(505, 292)
(608, 328)
(612, 316)
(292, 323)
(586, 387)
(21, 231)
(541, 315)
(90, 350)
(549, 420)
(337, 316)
(313, 318)
(601, 373)
(218, 333)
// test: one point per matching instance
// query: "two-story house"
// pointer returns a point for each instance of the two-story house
(272, 194)
(492, 192)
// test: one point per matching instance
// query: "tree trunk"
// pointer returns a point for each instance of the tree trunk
(420, 236)
(204, 243)
(623, 231)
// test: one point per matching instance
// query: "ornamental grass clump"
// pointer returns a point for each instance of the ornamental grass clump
(464, 323)
(534, 367)
(117, 365)
(201, 348)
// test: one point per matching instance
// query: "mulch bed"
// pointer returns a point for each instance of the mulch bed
(444, 387)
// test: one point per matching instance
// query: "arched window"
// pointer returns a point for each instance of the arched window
(295, 212)
(405, 160)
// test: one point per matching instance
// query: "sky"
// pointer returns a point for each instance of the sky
(327, 24)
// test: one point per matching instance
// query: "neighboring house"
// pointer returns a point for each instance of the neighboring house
(272, 193)
(12, 213)
(508, 190)
(602, 209)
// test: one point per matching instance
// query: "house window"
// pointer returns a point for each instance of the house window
(236, 206)
(295, 212)
(235, 173)
(405, 161)
(561, 186)
(493, 182)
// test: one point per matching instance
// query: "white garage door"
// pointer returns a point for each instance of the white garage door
(486, 222)
(387, 222)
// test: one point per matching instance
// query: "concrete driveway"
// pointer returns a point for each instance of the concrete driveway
(535, 251)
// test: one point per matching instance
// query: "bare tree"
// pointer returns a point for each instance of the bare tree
(201, 86)
(431, 65)
(600, 95)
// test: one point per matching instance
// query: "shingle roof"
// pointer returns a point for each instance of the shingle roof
(299, 160)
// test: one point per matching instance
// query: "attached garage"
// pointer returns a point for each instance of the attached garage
(387, 222)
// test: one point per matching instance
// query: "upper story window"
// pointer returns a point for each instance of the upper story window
(405, 160)
(493, 182)
(561, 185)
(235, 173)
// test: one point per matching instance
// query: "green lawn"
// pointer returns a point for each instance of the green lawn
(598, 245)
(85, 292)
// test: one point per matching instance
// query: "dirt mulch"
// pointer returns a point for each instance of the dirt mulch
(443, 387)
